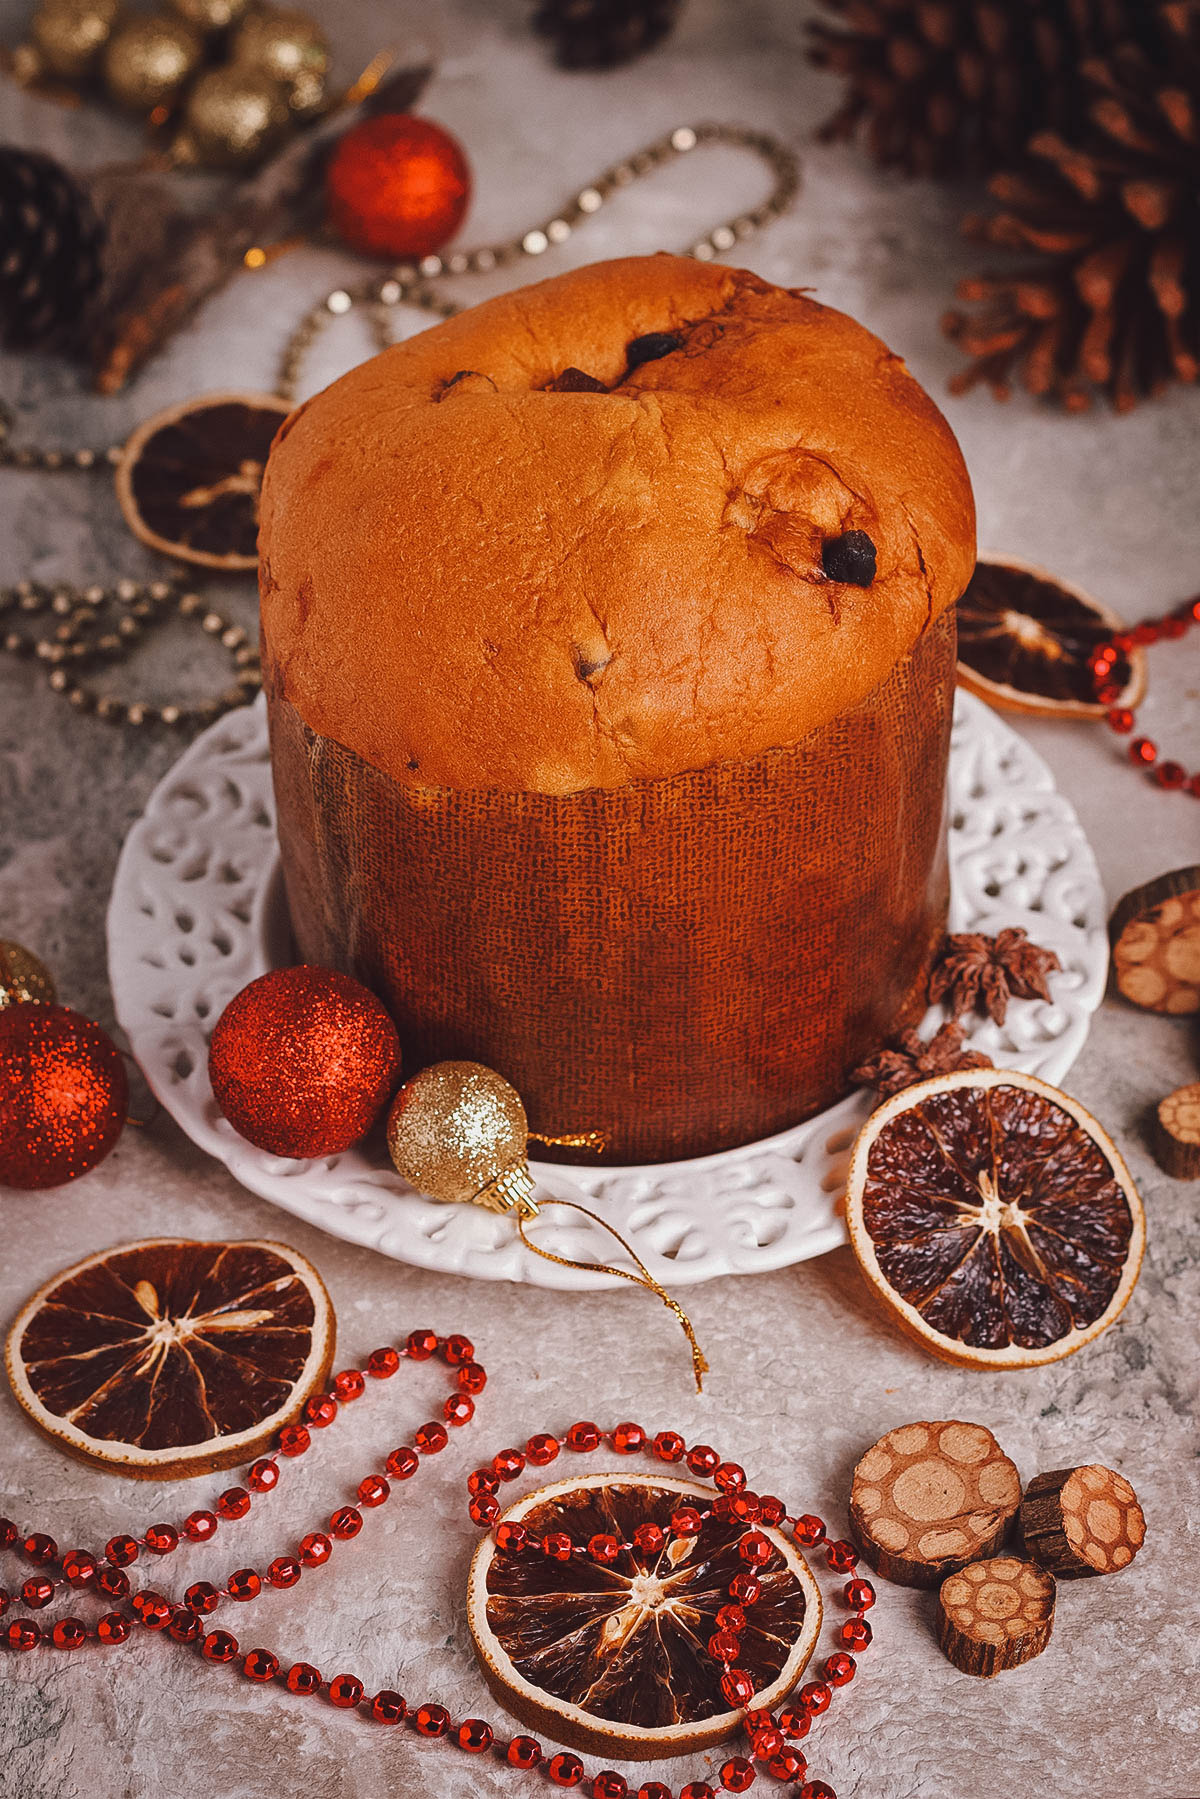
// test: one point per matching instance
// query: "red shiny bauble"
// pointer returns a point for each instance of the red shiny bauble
(303, 1060)
(397, 186)
(64, 1095)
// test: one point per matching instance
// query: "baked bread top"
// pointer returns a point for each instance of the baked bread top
(473, 578)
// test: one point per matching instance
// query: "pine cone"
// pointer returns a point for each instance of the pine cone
(50, 243)
(600, 34)
(943, 87)
(1112, 301)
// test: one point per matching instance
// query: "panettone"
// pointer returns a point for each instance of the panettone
(609, 649)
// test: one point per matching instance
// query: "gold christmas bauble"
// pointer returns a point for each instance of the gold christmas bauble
(306, 95)
(22, 977)
(285, 44)
(458, 1132)
(210, 16)
(149, 60)
(71, 34)
(234, 117)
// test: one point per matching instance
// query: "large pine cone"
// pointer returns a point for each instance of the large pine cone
(600, 34)
(943, 87)
(1107, 297)
(50, 242)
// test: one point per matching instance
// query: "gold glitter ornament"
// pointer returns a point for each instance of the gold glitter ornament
(458, 1133)
(70, 35)
(23, 979)
(210, 16)
(285, 45)
(233, 117)
(149, 61)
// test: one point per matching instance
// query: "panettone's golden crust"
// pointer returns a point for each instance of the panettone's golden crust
(479, 583)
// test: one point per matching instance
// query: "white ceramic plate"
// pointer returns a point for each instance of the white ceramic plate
(198, 910)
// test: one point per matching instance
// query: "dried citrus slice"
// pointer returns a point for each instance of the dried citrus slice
(189, 478)
(1024, 639)
(994, 1218)
(613, 1660)
(167, 1357)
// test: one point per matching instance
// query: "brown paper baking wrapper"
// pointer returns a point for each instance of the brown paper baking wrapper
(684, 964)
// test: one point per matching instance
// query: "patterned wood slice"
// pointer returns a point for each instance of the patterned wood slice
(930, 1497)
(1175, 1133)
(1080, 1521)
(1155, 937)
(995, 1614)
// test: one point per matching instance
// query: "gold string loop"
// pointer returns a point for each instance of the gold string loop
(594, 1140)
(643, 1279)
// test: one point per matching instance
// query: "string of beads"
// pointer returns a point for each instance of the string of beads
(772, 1737)
(1143, 751)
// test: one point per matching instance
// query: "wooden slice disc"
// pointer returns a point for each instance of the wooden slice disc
(930, 1497)
(1155, 937)
(1175, 1133)
(1079, 1521)
(995, 1614)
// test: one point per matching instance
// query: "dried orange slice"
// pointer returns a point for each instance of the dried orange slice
(188, 480)
(1024, 639)
(167, 1357)
(613, 1660)
(994, 1218)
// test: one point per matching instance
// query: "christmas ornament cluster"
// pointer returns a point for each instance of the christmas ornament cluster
(226, 80)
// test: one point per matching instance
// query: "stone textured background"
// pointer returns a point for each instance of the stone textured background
(805, 1375)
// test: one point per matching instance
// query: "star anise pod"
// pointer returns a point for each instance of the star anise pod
(981, 974)
(911, 1059)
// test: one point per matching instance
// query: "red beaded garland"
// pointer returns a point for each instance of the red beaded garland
(524, 1752)
(383, 1363)
(345, 1690)
(79, 1568)
(260, 1664)
(1143, 751)
(320, 1410)
(733, 1500)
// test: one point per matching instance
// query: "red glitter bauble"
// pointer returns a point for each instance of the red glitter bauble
(64, 1095)
(397, 186)
(303, 1060)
